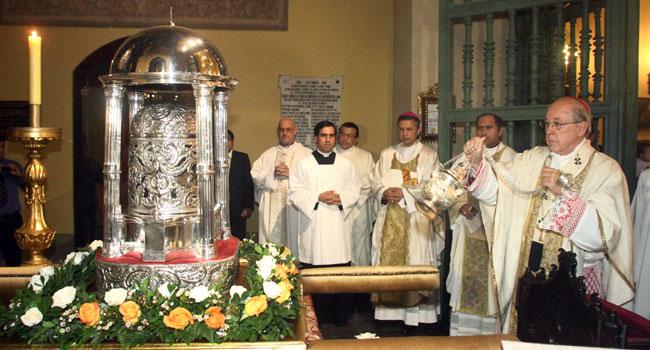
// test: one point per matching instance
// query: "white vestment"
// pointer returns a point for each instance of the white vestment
(361, 216)
(278, 222)
(324, 238)
(469, 282)
(641, 217)
(424, 245)
(590, 219)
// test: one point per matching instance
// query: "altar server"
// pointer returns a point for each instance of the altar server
(325, 188)
(361, 216)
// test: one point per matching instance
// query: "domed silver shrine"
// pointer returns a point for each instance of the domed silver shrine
(166, 115)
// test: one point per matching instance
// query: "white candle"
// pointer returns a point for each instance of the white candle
(34, 68)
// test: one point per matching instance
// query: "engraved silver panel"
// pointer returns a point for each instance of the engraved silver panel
(117, 275)
(162, 161)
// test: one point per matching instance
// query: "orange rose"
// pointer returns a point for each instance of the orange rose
(281, 271)
(216, 319)
(130, 311)
(286, 292)
(255, 306)
(89, 314)
(178, 318)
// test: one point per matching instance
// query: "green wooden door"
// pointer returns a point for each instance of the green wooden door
(515, 57)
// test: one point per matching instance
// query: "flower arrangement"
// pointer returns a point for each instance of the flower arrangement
(59, 307)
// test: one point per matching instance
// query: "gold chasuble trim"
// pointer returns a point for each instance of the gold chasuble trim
(474, 285)
(395, 239)
(611, 261)
(474, 282)
(552, 240)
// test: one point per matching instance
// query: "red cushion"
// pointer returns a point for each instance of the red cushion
(637, 325)
(224, 248)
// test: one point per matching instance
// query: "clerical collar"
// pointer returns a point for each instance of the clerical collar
(340, 150)
(557, 160)
(324, 159)
(286, 147)
(406, 153)
(490, 151)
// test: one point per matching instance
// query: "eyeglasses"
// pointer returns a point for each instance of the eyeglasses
(554, 125)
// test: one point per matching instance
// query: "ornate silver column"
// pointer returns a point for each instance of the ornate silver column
(203, 94)
(136, 101)
(222, 162)
(113, 142)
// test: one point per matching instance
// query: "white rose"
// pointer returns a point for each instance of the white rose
(46, 272)
(272, 290)
(239, 290)
(199, 293)
(37, 282)
(115, 296)
(265, 266)
(32, 317)
(163, 289)
(96, 244)
(366, 335)
(273, 251)
(63, 296)
(76, 257)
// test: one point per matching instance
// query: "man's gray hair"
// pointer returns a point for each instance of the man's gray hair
(581, 114)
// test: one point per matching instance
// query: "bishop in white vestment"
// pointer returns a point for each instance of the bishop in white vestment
(469, 282)
(566, 195)
(278, 222)
(361, 216)
(641, 217)
(401, 235)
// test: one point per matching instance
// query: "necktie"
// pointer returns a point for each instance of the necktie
(3, 192)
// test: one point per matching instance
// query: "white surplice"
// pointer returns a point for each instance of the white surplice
(425, 245)
(599, 212)
(278, 222)
(464, 322)
(361, 216)
(324, 238)
(641, 217)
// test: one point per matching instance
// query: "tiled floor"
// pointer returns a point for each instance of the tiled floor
(363, 321)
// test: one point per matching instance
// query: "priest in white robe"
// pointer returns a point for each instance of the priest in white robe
(361, 216)
(401, 235)
(278, 222)
(324, 188)
(566, 195)
(469, 282)
(641, 219)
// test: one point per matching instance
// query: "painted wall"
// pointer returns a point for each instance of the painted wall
(350, 38)
(644, 48)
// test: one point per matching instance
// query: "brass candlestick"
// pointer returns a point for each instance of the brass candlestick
(34, 236)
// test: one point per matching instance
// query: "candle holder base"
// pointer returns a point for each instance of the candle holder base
(33, 242)
(34, 236)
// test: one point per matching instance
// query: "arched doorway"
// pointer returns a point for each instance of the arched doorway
(88, 149)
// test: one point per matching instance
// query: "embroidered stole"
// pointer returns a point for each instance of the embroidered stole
(395, 235)
(476, 268)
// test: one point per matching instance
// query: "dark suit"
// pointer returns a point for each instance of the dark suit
(241, 192)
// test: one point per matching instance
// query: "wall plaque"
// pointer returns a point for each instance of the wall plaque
(310, 100)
